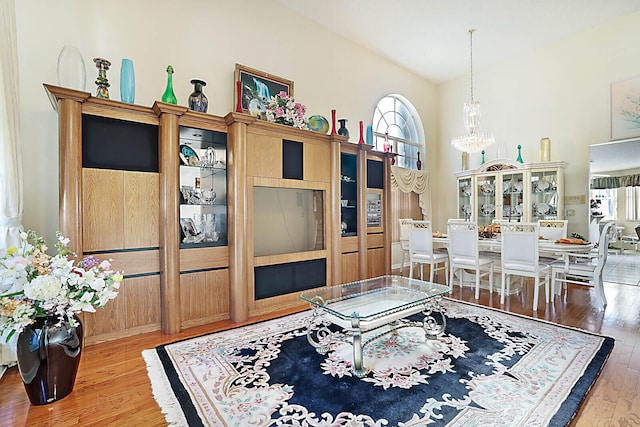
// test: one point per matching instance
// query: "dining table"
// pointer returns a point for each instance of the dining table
(547, 248)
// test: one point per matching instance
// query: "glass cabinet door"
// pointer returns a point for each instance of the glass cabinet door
(486, 206)
(465, 193)
(203, 188)
(349, 194)
(512, 196)
(544, 194)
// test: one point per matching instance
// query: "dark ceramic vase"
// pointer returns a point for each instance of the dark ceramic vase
(48, 358)
(343, 128)
(197, 100)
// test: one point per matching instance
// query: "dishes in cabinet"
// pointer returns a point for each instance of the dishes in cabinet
(540, 209)
(542, 185)
(466, 190)
(465, 209)
(519, 210)
(506, 187)
(487, 209)
(517, 187)
(197, 196)
(507, 211)
(487, 188)
(190, 154)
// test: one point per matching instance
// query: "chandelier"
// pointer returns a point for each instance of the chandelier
(473, 141)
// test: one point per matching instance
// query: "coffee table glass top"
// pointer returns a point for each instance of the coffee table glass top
(370, 298)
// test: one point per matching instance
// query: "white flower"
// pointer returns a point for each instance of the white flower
(43, 288)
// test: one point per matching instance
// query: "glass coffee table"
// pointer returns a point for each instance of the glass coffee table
(368, 309)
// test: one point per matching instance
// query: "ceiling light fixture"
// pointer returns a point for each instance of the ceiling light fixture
(474, 141)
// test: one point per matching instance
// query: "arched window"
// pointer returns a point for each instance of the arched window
(397, 120)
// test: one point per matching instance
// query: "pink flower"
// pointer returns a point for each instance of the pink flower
(279, 112)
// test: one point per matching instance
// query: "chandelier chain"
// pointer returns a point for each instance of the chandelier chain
(471, 61)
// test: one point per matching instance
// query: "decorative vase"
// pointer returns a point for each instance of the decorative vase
(333, 122)
(168, 96)
(419, 163)
(482, 160)
(197, 100)
(519, 159)
(386, 147)
(465, 161)
(369, 135)
(545, 149)
(48, 356)
(103, 83)
(71, 69)
(127, 81)
(343, 128)
(361, 140)
(238, 96)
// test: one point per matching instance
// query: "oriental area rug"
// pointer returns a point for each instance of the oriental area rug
(489, 368)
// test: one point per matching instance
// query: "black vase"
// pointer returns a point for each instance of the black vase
(48, 358)
(197, 100)
(343, 128)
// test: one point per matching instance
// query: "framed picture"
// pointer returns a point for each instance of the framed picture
(625, 109)
(258, 87)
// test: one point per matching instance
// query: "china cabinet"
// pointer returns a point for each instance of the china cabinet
(507, 190)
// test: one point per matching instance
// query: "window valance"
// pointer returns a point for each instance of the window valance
(408, 180)
(615, 182)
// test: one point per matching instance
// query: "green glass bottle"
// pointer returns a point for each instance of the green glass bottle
(482, 161)
(519, 159)
(168, 96)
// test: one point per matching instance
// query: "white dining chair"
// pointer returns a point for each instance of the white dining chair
(521, 257)
(553, 229)
(405, 226)
(582, 267)
(421, 251)
(464, 254)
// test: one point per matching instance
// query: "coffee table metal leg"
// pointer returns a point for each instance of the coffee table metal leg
(323, 335)
(358, 367)
(432, 329)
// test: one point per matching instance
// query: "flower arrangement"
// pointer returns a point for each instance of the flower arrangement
(283, 109)
(34, 284)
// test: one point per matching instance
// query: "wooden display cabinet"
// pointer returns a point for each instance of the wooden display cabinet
(128, 208)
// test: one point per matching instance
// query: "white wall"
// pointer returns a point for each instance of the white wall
(560, 91)
(201, 39)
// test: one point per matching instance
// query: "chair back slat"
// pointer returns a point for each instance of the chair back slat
(405, 226)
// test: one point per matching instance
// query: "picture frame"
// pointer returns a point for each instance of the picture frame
(257, 86)
(625, 109)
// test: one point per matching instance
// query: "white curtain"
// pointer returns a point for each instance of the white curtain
(632, 203)
(10, 153)
(408, 180)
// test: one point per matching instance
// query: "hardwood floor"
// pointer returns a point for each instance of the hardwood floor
(112, 387)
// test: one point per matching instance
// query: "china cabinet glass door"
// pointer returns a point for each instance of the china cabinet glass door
(465, 198)
(512, 196)
(486, 204)
(544, 194)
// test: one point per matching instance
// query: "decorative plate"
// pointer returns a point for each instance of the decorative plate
(506, 187)
(466, 190)
(519, 209)
(318, 124)
(189, 152)
(466, 209)
(517, 188)
(541, 209)
(487, 210)
(487, 188)
(543, 185)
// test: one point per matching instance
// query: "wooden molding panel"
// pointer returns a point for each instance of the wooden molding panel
(204, 295)
(349, 244)
(142, 298)
(204, 258)
(264, 156)
(134, 262)
(376, 265)
(141, 209)
(103, 204)
(350, 269)
(375, 240)
(317, 161)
